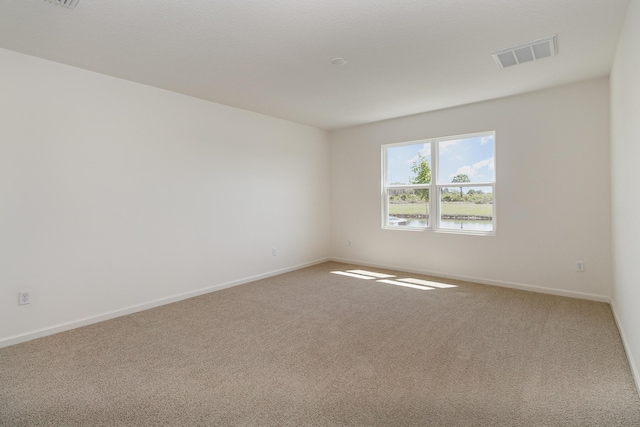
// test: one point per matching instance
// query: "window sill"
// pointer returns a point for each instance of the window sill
(441, 231)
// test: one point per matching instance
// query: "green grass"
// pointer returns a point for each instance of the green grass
(467, 209)
(408, 209)
(447, 209)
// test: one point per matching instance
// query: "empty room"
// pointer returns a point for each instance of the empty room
(305, 213)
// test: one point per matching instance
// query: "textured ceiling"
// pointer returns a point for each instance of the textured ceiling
(274, 57)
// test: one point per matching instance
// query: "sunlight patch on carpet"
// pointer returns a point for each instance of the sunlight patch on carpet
(406, 285)
(409, 282)
(428, 283)
(357, 276)
(372, 273)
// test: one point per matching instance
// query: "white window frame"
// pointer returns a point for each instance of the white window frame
(434, 187)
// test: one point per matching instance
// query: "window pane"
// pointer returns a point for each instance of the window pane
(408, 208)
(466, 160)
(409, 164)
(466, 208)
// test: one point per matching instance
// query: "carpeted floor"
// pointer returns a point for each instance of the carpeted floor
(317, 348)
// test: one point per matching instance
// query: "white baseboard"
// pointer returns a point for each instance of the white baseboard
(39, 333)
(632, 364)
(511, 285)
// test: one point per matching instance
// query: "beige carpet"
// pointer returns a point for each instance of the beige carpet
(316, 348)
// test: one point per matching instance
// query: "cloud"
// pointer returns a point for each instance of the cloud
(443, 146)
(466, 170)
(425, 151)
(485, 163)
(486, 139)
(473, 170)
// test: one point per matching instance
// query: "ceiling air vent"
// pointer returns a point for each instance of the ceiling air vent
(526, 52)
(70, 4)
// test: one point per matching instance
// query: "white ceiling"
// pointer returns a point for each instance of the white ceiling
(274, 56)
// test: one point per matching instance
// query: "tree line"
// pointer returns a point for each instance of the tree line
(422, 175)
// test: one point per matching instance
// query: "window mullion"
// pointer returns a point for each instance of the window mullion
(434, 213)
(467, 184)
(408, 187)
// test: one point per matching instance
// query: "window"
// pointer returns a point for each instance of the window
(444, 184)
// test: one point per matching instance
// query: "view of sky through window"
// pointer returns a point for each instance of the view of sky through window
(473, 157)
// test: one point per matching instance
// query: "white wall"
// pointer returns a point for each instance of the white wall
(116, 195)
(552, 193)
(625, 175)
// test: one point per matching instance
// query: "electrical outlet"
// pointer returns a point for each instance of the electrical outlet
(24, 297)
(349, 243)
(274, 251)
(580, 266)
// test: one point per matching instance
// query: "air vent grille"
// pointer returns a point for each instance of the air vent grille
(69, 4)
(526, 52)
